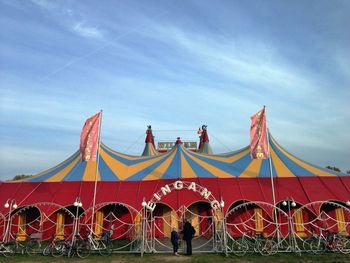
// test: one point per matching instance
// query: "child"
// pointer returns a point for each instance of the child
(175, 241)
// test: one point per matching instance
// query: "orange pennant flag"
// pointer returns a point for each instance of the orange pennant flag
(89, 138)
(258, 139)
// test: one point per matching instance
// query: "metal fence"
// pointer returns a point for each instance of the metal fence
(247, 227)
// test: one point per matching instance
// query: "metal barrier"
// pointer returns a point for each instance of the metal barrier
(248, 227)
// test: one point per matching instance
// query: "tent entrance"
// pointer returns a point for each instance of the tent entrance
(159, 223)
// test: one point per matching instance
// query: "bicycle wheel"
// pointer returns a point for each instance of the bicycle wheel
(105, 248)
(11, 248)
(343, 245)
(32, 247)
(58, 249)
(82, 249)
(306, 244)
(3, 250)
(267, 247)
(239, 247)
(47, 250)
(317, 246)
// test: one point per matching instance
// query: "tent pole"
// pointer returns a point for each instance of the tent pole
(96, 171)
(272, 181)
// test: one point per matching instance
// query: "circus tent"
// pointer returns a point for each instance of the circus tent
(232, 177)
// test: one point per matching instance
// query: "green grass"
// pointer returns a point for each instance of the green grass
(196, 258)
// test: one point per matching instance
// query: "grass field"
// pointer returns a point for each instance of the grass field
(120, 258)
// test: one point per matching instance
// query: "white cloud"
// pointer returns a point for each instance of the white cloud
(87, 31)
(69, 18)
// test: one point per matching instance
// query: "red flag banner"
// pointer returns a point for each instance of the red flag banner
(258, 139)
(89, 138)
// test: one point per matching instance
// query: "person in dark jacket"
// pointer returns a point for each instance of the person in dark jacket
(175, 241)
(188, 233)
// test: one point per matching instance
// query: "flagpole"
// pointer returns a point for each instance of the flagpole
(96, 171)
(271, 177)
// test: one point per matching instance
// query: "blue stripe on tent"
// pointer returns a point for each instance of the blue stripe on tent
(143, 173)
(105, 172)
(235, 168)
(265, 169)
(296, 169)
(198, 169)
(77, 173)
(174, 169)
(46, 176)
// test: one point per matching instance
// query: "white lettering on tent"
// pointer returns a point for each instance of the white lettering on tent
(215, 204)
(205, 193)
(156, 196)
(165, 189)
(192, 187)
(151, 206)
(178, 185)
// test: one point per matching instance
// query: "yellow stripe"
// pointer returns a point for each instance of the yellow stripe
(212, 169)
(61, 174)
(230, 159)
(252, 170)
(259, 224)
(339, 214)
(160, 170)
(281, 169)
(99, 216)
(299, 221)
(21, 234)
(123, 171)
(306, 166)
(60, 225)
(90, 170)
(186, 170)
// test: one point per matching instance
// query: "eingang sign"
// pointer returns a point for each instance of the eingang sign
(180, 185)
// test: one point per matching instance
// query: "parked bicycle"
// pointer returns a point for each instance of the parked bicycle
(327, 242)
(253, 244)
(11, 247)
(54, 244)
(102, 245)
(70, 248)
(33, 245)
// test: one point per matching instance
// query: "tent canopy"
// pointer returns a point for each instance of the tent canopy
(181, 163)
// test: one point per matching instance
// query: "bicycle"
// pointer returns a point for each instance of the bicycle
(69, 248)
(329, 242)
(103, 245)
(257, 244)
(52, 246)
(239, 247)
(33, 246)
(11, 247)
(5, 250)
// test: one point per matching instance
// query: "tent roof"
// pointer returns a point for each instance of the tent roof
(180, 163)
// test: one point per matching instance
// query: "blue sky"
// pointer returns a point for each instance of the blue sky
(175, 65)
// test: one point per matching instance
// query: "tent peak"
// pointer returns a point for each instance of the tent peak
(204, 146)
(178, 141)
(150, 148)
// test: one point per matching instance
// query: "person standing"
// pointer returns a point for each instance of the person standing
(175, 241)
(188, 233)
